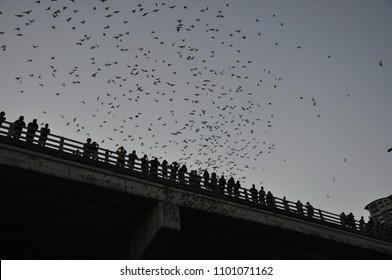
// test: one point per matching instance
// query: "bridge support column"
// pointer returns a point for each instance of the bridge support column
(151, 235)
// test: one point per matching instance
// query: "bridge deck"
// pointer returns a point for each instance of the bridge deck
(55, 204)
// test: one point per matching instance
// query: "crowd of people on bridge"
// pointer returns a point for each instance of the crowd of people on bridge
(179, 173)
(16, 129)
(173, 172)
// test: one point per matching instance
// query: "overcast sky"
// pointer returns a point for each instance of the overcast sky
(292, 95)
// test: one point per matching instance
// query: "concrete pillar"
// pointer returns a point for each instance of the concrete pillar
(149, 237)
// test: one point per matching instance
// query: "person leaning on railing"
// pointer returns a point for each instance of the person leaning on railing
(131, 159)
(121, 153)
(230, 186)
(206, 178)
(164, 166)
(350, 221)
(213, 182)
(361, 224)
(309, 210)
(181, 173)
(254, 193)
(87, 148)
(262, 195)
(2, 117)
(45, 131)
(94, 150)
(2, 120)
(343, 219)
(154, 165)
(299, 207)
(270, 199)
(32, 128)
(222, 184)
(237, 187)
(144, 164)
(17, 127)
(173, 170)
(194, 179)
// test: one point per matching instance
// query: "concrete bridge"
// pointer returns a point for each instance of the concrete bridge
(56, 203)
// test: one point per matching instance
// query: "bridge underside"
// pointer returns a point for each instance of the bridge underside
(227, 238)
(45, 217)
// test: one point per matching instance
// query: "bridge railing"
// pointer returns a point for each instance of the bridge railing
(193, 181)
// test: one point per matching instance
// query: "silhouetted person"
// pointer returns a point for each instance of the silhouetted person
(164, 169)
(343, 219)
(154, 165)
(253, 192)
(87, 148)
(144, 164)
(32, 128)
(351, 221)
(237, 187)
(94, 150)
(173, 170)
(286, 204)
(230, 186)
(121, 153)
(321, 215)
(361, 224)
(2, 120)
(222, 184)
(309, 210)
(214, 181)
(181, 173)
(206, 178)
(194, 179)
(2, 117)
(262, 196)
(131, 159)
(299, 207)
(10, 130)
(18, 126)
(191, 179)
(270, 199)
(44, 132)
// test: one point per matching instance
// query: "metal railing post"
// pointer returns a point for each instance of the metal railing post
(321, 215)
(107, 156)
(61, 144)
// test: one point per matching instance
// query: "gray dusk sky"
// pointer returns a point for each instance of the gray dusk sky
(292, 95)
